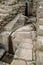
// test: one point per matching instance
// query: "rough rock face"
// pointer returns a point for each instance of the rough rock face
(35, 4)
(21, 34)
(8, 11)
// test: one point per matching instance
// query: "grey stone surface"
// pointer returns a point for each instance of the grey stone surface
(4, 38)
(16, 23)
(23, 33)
(9, 10)
(27, 44)
(30, 63)
(3, 63)
(39, 58)
(25, 54)
(18, 40)
(18, 62)
(26, 28)
(35, 2)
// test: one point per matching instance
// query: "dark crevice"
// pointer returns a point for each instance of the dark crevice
(10, 46)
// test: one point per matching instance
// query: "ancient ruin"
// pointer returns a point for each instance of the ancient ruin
(21, 32)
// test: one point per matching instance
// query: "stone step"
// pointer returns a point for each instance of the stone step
(26, 44)
(18, 38)
(18, 62)
(16, 23)
(25, 54)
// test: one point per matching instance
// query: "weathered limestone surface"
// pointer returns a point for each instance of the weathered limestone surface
(25, 54)
(12, 26)
(40, 30)
(20, 34)
(39, 42)
(26, 28)
(39, 58)
(27, 44)
(18, 39)
(18, 62)
(16, 23)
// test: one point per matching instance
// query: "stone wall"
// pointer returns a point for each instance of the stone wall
(39, 43)
(8, 11)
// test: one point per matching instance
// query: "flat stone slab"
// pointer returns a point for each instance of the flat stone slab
(5, 10)
(27, 44)
(18, 62)
(18, 37)
(26, 28)
(8, 2)
(25, 54)
(39, 58)
(22, 35)
(15, 23)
